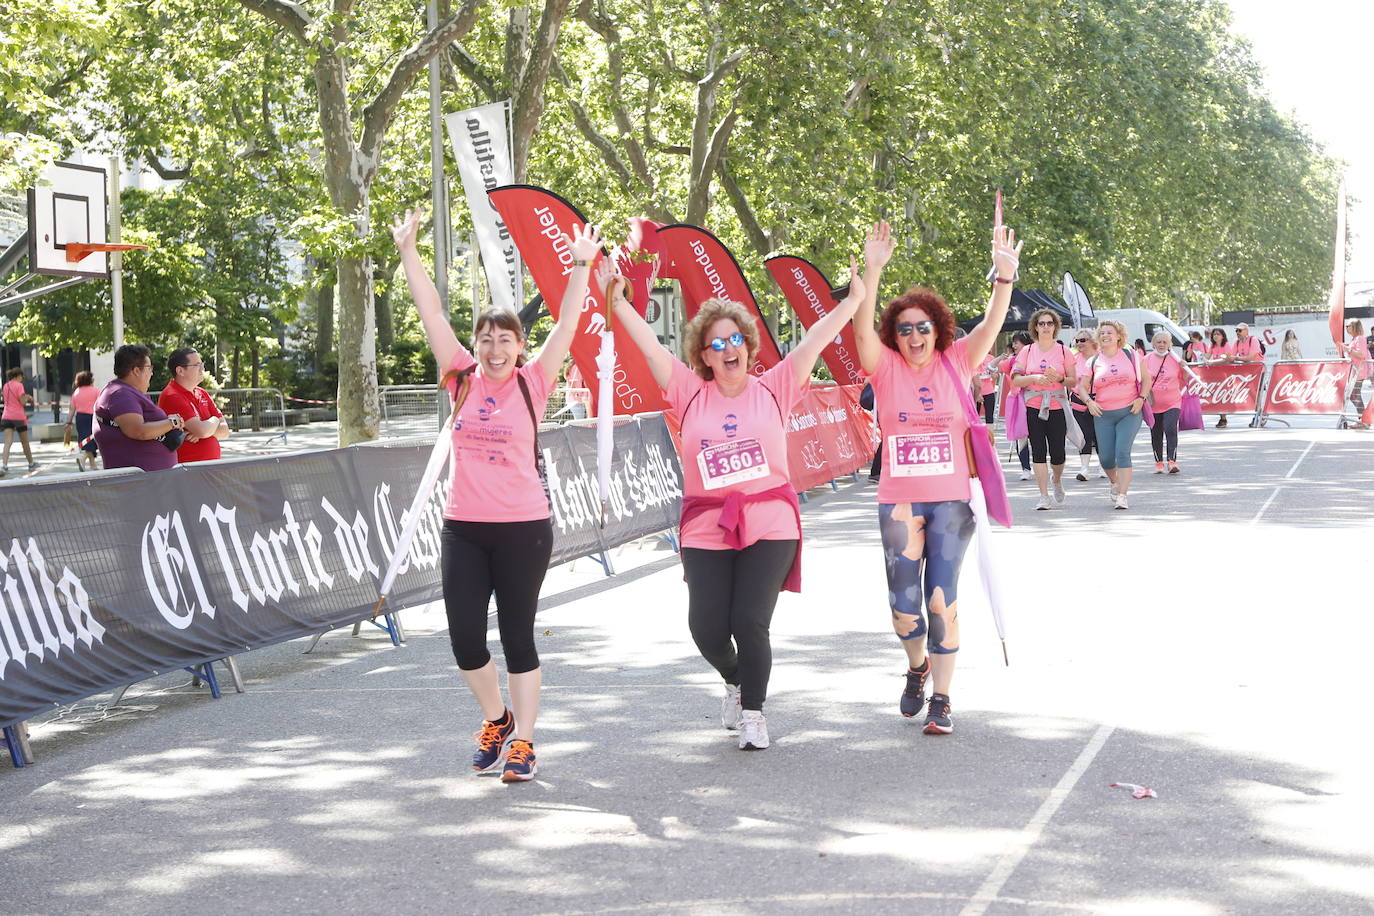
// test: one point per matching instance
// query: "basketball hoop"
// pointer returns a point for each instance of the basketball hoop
(78, 250)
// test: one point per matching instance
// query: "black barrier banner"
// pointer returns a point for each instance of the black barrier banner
(107, 581)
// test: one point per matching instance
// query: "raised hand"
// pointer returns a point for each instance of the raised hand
(857, 288)
(879, 246)
(610, 280)
(1006, 251)
(405, 229)
(585, 243)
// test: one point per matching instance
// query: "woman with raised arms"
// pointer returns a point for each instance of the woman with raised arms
(917, 368)
(741, 522)
(497, 534)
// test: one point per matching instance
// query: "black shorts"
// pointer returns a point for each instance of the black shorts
(19, 426)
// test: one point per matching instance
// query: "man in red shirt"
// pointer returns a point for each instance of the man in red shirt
(204, 424)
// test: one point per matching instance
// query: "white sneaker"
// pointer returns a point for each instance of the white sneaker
(730, 708)
(1059, 494)
(1025, 475)
(1083, 475)
(1102, 475)
(753, 730)
(1044, 503)
(1120, 501)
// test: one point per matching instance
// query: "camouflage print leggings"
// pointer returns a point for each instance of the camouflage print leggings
(925, 539)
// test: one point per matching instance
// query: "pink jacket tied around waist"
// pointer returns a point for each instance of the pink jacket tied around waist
(732, 521)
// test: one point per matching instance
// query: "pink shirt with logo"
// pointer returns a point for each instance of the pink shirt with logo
(1249, 349)
(1080, 370)
(1164, 377)
(14, 401)
(83, 399)
(923, 422)
(1217, 352)
(1114, 382)
(493, 477)
(1358, 348)
(736, 444)
(1034, 361)
(1198, 350)
(987, 385)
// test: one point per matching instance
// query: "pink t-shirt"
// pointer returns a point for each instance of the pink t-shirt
(985, 377)
(83, 399)
(1163, 377)
(1004, 367)
(1217, 352)
(1249, 348)
(923, 421)
(1080, 370)
(14, 401)
(736, 445)
(1358, 349)
(1114, 382)
(1033, 361)
(493, 476)
(1198, 350)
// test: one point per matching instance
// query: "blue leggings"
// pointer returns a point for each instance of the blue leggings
(1116, 431)
(941, 533)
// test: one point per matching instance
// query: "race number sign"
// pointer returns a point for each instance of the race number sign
(731, 463)
(921, 454)
(1226, 389)
(1307, 387)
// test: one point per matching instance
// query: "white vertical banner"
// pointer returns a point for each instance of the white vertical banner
(481, 147)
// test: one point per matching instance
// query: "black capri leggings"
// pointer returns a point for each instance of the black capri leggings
(1084, 419)
(1165, 431)
(990, 409)
(1046, 436)
(508, 558)
(731, 596)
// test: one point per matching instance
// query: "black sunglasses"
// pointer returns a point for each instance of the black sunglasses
(1079, 340)
(904, 328)
(1044, 324)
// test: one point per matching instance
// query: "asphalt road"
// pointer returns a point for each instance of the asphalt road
(1208, 643)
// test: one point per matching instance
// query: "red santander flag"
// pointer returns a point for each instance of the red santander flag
(1336, 303)
(707, 270)
(538, 220)
(811, 297)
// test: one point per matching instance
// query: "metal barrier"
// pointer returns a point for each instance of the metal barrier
(410, 410)
(568, 404)
(252, 410)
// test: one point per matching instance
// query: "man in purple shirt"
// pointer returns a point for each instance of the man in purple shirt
(130, 429)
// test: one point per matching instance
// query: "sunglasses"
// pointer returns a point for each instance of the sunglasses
(1080, 340)
(905, 328)
(1044, 324)
(735, 340)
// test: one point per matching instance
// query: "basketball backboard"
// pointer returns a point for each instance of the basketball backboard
(66, 208)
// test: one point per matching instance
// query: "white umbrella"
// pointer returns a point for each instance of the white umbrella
(987, 571)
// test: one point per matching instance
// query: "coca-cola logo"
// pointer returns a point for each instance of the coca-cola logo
(1236, 388)
(1322, 388)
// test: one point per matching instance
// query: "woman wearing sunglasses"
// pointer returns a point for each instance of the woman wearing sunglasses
(1114, 390)
(917, 368)
(1044, 369)
(1084, 349)
(741, 522)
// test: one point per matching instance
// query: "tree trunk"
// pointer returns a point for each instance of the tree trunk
(359, 412)
(324, 325)
(386, 332)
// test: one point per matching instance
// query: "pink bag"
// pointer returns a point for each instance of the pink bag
(1016, 414)
(986, 465)
(1190, 412)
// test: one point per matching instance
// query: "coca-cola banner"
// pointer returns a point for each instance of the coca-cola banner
(538, 220)
(1307, 387)
(1226, 389)
(828, 435)
(809, 293)
(109, 580)
(707, 270)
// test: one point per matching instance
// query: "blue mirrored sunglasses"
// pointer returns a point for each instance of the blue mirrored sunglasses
(735, 340)
(904, 328)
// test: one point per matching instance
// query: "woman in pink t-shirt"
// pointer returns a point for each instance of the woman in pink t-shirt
(1045, 370)
(1357, 348)
(741, 523)
(497, 535)
(917, 368)
(81, 416)
(1219, 350)
(1019, 341)
(1084, 349)
(1163, 372)
(14, 419)
(1113, 389)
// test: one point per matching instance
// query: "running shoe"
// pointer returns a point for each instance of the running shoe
(1173, 467)
(519, 762)
(80, 462)
(1221, 423)
(1159, 467)
(1043, 504)
(1102, 475)
(1059, 494)
(1083, 475)
(491, 741)
(33, 466)
(1121, 501)
(753, 730)
(1025, 475)
(938, 721)
(914, 696)
(729, 707)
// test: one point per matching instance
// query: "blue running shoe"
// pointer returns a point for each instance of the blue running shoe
(914, 696)
(491, 741)
(938, 721)
(519, 762)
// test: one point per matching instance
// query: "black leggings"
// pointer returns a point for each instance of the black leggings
(731, 596)
(1084, 419)
(1165, 431)
(1046, 436)
(990, 409)
(509, 558)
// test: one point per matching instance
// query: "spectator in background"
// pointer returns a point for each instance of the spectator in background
(1357, 348)
(1019, 340)
(204, 423)
(579, 396)
(1196, 351)
(1246, 349)
(1290, 348)
(1140, 348)
(82, 416)
(14, 419)
(132, 431)
(1219, 350)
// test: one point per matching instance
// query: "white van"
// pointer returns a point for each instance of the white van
(1140, 324)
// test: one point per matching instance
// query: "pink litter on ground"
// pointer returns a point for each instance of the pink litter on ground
(1136, 791)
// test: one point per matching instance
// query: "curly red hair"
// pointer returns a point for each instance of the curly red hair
(928, 301)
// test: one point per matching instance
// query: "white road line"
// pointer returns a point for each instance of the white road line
(1030, 834)
(1299, 461)
(1256, 519)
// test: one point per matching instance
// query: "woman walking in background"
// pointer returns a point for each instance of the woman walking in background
(1290, 348)
(1114, 393)
(14, 419)
(1085, 348)
(81, 415)
(1044, 369)
(1019, 341)
(1164, 388)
